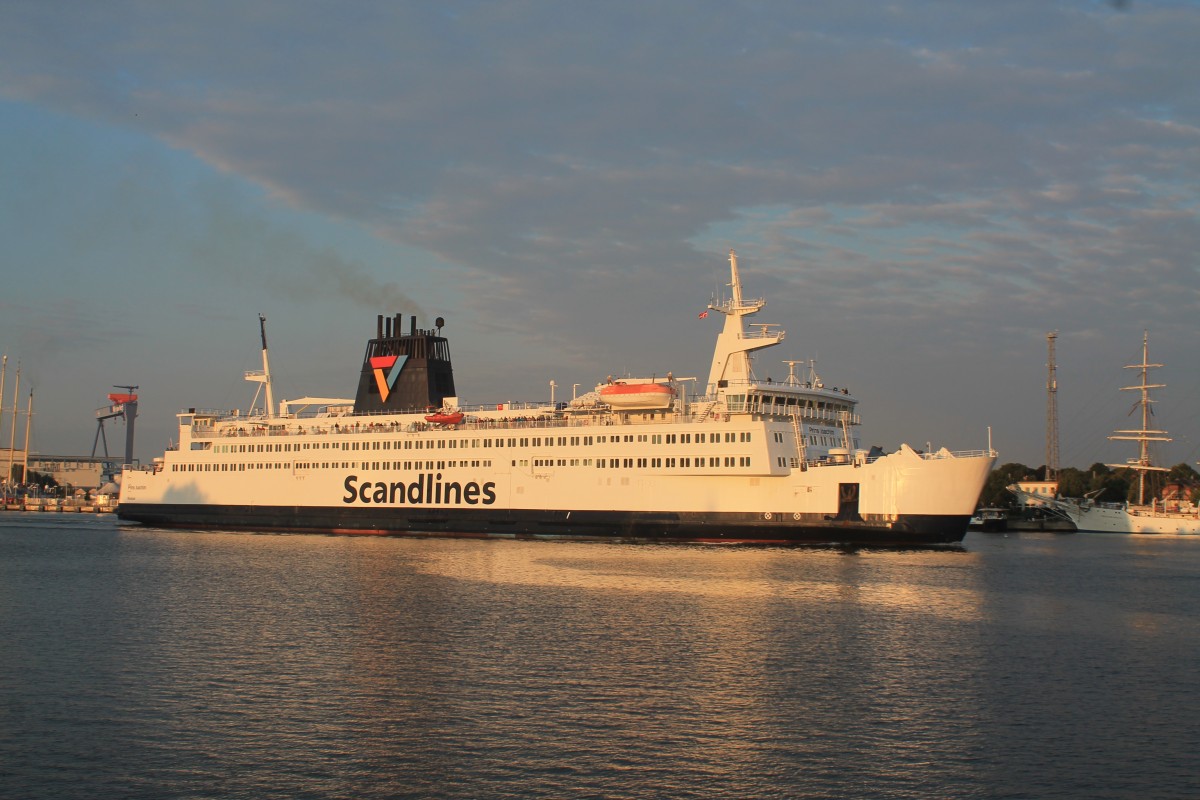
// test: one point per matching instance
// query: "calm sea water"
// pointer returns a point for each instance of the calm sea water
(143, 663)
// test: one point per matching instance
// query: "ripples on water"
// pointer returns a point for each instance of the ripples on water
(155, 664)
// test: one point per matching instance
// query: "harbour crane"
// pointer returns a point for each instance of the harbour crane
(123, 405)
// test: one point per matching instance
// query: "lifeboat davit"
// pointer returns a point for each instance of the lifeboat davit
(445, 418)
(638, 396)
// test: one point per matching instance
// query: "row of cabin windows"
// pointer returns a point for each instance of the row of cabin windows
(641, 463)
(514, 441)
(759, 402)
(600, 463)
(371, 465)
(818, 439)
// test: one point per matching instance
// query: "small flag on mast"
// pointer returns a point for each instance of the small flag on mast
(704, 313)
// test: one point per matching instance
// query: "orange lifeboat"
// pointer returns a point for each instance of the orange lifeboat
(638, 396)
(445, 418)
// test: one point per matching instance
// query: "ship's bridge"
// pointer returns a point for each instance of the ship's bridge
(808, 398)
(809, 402)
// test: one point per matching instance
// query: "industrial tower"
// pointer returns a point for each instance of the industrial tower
(1051, 412)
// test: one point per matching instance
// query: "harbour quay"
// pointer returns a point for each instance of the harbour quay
(70, 505)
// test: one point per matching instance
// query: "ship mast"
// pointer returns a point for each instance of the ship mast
(264, 376)
(1145, 434)
(28, 425)
(731, 360)
(735, 284)
(12, 436)
(3, 372)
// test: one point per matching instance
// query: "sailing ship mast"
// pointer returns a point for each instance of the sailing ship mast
(28, 426)
(3, 373)
(1145, 434)
(12, 437)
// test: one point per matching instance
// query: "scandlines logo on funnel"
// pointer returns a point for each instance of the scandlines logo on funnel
(387, 370)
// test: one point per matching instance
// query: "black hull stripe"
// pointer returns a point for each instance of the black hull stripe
(583, 525)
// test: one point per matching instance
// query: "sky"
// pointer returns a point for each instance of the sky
(920, 190)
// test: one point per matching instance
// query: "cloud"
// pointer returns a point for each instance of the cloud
(990, 170)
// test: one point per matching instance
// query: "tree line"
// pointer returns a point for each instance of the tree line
(1104, 483)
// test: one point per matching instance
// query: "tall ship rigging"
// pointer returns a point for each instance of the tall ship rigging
(1177, 516)
(638, 459)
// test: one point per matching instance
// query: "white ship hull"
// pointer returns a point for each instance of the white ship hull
(560, 489)
(1130, 519)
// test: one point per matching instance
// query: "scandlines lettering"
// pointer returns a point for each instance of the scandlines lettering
(427, 490)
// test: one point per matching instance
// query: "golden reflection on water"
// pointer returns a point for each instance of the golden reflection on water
(741, 574)
(404, 667)
(706, 657)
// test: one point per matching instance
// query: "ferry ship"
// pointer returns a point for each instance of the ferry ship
(747, 460)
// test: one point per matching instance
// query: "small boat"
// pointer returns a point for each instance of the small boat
(637, 393)
(990, 520)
